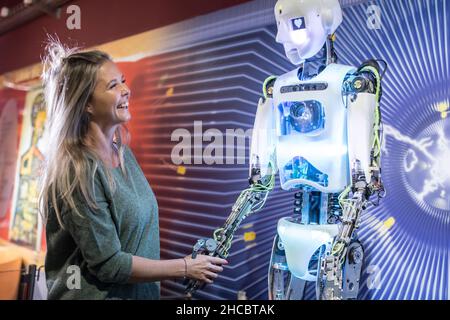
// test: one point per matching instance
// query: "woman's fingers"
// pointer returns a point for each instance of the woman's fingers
(207, 280)
(206, 268)
(211, 275)
(215, 268)
(208, 277)
(219, 261)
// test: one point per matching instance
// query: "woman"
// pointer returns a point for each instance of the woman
(101, 214)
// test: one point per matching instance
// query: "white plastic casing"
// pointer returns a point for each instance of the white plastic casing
(361, 113)
(327, 150)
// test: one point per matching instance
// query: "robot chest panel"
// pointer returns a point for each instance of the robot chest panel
(311, 115)
(312, 140)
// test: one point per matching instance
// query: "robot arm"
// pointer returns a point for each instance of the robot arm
(262, 151)
(363, 91)
(261, 182)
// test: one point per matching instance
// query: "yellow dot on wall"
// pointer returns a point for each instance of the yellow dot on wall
(389, 223)
(444, 115)
(181, 170)
(442, 107)
(169, 92)
(249, 236)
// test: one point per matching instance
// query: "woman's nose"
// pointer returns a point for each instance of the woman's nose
(125, 90)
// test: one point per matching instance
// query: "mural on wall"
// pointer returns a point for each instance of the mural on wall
(11, 107)
(25, 224)
(8, 132)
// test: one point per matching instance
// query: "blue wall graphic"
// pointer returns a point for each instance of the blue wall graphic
(407, 236)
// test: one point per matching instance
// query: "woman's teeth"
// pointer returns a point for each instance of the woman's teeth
(123, 106)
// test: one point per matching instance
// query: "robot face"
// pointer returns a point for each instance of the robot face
(303, 26)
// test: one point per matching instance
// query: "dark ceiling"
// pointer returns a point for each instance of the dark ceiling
(9, 3)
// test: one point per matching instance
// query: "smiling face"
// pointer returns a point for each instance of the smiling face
(108, 105)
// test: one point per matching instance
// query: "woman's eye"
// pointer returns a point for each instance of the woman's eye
(114, 84)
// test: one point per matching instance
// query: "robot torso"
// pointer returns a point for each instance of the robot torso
(311, 130)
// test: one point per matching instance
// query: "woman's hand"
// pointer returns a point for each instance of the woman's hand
(204, 268)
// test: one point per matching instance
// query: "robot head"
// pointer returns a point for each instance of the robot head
(303, 26)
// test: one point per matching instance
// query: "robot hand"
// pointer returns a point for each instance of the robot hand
(202, 267)
(206, 247)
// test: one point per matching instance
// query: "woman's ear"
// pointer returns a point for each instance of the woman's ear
(89, 109)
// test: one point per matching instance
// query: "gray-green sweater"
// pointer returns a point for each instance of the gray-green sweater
(101, 244)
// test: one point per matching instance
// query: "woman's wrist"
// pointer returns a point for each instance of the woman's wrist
(185, 268)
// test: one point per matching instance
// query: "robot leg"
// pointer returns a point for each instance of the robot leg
(352, 271)
(283, 285)
(339, 281)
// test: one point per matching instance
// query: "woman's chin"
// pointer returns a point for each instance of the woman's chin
(123, 115)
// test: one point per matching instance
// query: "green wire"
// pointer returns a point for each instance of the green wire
(339, 246)
(265, 85)
(254, 188)
(376, 142)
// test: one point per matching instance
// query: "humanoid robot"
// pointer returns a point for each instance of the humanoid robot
(319, 127)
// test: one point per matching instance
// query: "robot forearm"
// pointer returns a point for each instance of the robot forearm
(331, 271)
(249, 201)
(350, 215)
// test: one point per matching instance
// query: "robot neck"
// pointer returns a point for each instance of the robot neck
(313, 66)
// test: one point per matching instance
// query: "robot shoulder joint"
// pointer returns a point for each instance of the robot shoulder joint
(268, 85)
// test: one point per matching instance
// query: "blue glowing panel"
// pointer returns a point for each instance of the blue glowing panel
(302, 117)
(300, 168)
(407, 236)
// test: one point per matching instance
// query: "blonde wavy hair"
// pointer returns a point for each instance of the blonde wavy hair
(69, 78)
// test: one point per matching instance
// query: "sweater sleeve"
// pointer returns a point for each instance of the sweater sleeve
(96, 235)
